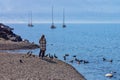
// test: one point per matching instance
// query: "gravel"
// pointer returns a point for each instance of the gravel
(31, 67)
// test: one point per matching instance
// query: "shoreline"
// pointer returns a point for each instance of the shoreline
(24, 67)
(10, 45)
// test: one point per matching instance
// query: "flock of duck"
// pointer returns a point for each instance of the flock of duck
(78, 61)
(74, 60)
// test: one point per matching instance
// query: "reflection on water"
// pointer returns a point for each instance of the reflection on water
(89, 42)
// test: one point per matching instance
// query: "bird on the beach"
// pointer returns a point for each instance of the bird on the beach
(21, 61)
(55, 56)
(64, 58)
(29, 52)
(33, 55)
(51, 57)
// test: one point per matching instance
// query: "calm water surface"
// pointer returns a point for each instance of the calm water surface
(90, 42)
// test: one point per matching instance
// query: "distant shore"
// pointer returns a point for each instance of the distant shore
(10, 41)
(10, 45)
(31, 67)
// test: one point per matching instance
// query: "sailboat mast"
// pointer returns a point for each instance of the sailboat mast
(30, 21)
(31, 18)
(52, 26)
(63, 16)
(52, 16)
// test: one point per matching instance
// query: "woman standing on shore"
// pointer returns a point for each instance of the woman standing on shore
(42, 43)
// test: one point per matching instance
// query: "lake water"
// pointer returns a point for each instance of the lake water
(89, 42)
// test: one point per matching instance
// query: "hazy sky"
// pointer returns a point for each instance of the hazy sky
(75, 10)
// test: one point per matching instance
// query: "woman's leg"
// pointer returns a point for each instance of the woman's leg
(40, 53)
(43, 53)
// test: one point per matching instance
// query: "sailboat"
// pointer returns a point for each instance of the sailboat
(30, 23)
(63, 19)
(52, 26)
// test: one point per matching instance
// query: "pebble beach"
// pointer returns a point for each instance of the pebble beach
(30, 67)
